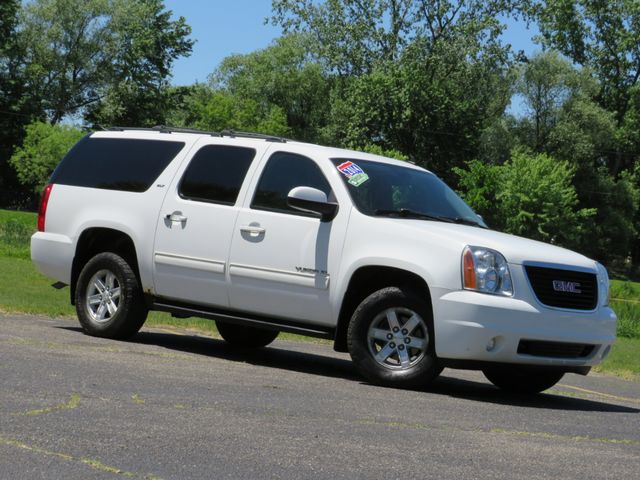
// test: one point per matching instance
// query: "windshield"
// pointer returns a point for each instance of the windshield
(381, 189)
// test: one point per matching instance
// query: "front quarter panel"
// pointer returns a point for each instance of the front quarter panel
(397, 243)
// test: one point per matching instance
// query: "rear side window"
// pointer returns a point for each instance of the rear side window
(126, 164)
(216, 174)
(283, 172)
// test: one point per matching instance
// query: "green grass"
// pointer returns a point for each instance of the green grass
(23, 289)
(624, 359)
(625, 290)
(16, 229)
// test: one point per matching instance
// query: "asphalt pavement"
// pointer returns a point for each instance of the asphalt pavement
(180, 405)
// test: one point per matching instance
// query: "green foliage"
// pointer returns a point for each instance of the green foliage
(422, 78)
(149, 42)
(480, 185)
(602, 35)
(565, 121)
(284, 75)
(613, 228)
(43, 148)
(355, 36)
(531, 195)
(538, 200)
(8, 11)
(207, 109)
(16, 229)
(625, 301)
(378, 150)
(78, 51)
(18, 107)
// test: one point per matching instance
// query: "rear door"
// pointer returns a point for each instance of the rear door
(196, 222)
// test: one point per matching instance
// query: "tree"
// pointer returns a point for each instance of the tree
(207, 109)
(148, 44)
(285, 75)
(8, 11)
(604, 36)
(353, 36)
(480, 184)
(431, 106)
(18, 106)
(44, 146)
(531, 195)
(420, 77)
(76, 51)
(544, 84)
(538, 200)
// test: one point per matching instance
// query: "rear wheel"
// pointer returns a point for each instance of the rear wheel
(522, 379)
(243, 336)
(109, 300)
(390, 339)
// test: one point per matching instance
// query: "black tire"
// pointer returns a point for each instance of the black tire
(242, 336)
(375, 312)
(131, 311)
(522, 379)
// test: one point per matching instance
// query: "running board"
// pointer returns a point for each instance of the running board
(241, 318)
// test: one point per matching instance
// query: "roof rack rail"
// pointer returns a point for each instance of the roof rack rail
(223, 133)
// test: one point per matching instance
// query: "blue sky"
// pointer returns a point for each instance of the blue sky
(222, 28)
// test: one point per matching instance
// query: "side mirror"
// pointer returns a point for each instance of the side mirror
(307, 199)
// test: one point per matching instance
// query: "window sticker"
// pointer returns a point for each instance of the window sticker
(354, 173)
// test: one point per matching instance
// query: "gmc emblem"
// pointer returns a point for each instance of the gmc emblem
(569, 287)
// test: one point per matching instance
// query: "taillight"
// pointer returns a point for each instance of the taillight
(44, 201)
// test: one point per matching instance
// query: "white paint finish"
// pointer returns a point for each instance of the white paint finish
(190, 262)
(309, 280)
(52, 254)
(190, 255)
(194, 241)
(263, 274)
(269, 282)
(466, 321)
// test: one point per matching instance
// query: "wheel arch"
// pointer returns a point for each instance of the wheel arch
(363, 282)
(95, 240)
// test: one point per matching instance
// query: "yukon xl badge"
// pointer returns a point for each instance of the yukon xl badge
(569, 287)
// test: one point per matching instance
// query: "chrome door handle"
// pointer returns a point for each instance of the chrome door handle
(252, 230)
(176, 217)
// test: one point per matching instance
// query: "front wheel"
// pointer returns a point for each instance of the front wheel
(522, 379)
(109, 300)
(390, 339)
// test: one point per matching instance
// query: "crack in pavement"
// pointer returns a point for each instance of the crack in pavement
(90, 462)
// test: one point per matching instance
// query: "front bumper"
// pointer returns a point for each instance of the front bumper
(466, 322)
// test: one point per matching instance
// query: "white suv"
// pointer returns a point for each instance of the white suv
(265, 235)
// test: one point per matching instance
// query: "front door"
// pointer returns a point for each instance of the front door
(280, 263)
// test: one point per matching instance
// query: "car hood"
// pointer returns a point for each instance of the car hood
(516, 250)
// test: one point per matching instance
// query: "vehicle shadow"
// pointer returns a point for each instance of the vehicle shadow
(272, 356)
(329, 365)
(485, 392)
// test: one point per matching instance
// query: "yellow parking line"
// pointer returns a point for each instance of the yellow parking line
(606, 395)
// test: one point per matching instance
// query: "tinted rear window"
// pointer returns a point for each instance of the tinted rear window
(125, 164)
(216, 174)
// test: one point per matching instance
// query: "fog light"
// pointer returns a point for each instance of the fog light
(605, 352)
(491, 345)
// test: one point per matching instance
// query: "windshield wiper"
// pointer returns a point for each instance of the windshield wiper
(467, 221)
(408, 213)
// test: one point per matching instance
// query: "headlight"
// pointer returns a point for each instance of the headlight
(485, 270)
(604, 290)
